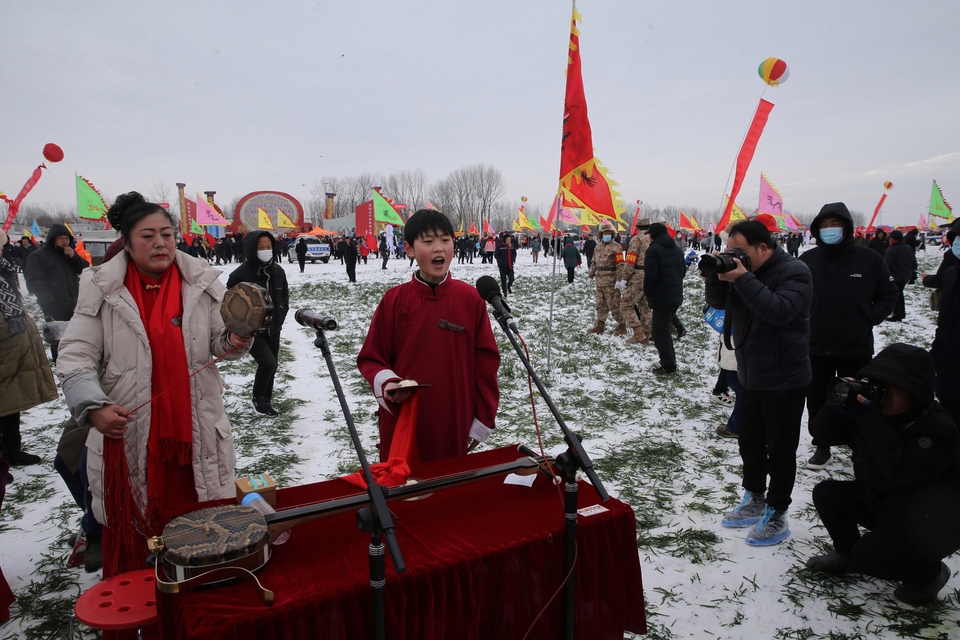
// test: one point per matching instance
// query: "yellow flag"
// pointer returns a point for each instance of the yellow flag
(736, 213)
(283, 221)
(619, 227)
(589, 218)
(516, 226)
(263, 221)
(524, 222)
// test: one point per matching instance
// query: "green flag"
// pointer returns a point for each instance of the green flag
(383, 211)
(939, 206)
(90, 204)
(195, 229)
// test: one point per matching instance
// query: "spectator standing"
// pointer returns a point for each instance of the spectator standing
(571, 259)
(349, 250)
(53, 275)
(852, 293)
(506, 255)
(901, 259)
(879, 242)
(663, 271)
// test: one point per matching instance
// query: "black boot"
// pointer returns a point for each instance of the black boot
(11, 441)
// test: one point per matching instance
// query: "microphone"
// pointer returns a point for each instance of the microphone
(318, 321)
(489, 290)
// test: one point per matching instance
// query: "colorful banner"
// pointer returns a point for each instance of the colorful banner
(206, 214)
(938, 206)
(689, 222)
(488, 229)
(195, 228)
(580, 171)
(770, 199)
(745, 156)
(383, 211)
(263, 220)
(284, 221)
(523, 222)
(568, 216)
(90, 204)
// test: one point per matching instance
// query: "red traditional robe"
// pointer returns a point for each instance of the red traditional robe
(442, 338)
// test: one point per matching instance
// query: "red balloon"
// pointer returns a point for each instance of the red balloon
(52, 152)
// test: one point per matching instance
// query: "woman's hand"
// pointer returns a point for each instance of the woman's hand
(110, 420)
(240, 342)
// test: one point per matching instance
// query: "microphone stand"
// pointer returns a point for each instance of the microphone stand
(374, 518)
(570, 461)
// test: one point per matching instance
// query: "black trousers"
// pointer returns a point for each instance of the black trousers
(386, 256)
(302, 261)
(570, 273)
(662, 339)
(882, 552)
(769, 436)
(506, 280)
(352, 270)
(826, 369)
(266, 353)
(900, 309)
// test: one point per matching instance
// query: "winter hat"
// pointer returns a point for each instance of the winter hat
(897, 235)
(643, 224)
(905, 366)
(657, 229)
(606, 225)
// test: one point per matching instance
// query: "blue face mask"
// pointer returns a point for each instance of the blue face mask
(607, 237)
(831, 235)
(955, 247)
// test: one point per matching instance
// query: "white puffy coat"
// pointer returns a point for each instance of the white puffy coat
(105, 358)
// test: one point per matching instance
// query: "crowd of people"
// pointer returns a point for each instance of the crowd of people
(798, 317)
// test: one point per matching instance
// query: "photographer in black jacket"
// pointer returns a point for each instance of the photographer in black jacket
(852, 293)
(768, 309)
(906, 465)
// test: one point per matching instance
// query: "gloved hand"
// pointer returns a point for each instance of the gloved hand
(621, 284)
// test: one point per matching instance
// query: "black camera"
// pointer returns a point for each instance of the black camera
(843, 392)
(712, 265)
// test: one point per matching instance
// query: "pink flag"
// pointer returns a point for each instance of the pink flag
(770, 200)
(206, 214)
(568, 216)
(923, 221)
(791, 222)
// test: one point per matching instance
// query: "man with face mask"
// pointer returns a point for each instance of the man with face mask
(260, 249)
(606, 257)
(852, 293)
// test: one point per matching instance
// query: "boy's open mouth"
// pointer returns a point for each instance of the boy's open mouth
(438, 262)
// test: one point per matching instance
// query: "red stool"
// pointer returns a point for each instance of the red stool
(126, 601)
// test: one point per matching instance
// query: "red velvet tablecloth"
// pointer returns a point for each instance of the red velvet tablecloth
(482, 560)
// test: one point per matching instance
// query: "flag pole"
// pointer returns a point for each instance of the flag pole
(553, 286)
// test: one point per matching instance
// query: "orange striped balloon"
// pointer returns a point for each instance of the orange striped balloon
(773, 71)
(888, 185)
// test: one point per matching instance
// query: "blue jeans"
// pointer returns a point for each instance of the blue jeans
(79, 487)
(733, 422)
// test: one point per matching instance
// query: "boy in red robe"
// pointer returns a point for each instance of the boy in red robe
(434, 330)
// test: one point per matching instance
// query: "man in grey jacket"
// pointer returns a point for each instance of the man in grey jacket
(768, 312)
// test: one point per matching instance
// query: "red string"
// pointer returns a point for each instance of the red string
(177, 384)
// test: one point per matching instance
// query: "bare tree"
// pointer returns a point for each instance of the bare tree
(160, 192)
(407, 187)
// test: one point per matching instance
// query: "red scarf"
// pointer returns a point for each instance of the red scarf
(170, 442)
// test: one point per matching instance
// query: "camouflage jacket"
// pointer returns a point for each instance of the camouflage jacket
(631, 269)
(606, 258)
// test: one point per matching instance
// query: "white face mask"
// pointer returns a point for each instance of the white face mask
(265, 256)
(955, 247)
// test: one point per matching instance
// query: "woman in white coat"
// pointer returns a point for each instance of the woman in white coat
(144, 322)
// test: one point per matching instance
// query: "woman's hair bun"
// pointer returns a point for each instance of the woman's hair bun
(122, 204)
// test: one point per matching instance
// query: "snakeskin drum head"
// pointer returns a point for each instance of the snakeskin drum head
(246, 309)
(214, 535)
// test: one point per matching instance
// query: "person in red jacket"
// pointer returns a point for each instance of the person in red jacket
(435, 330)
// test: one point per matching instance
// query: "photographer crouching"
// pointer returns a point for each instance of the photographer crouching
(906, 465)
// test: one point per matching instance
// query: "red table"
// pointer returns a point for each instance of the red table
(482, 561)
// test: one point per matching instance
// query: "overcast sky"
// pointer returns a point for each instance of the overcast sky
(238, 96)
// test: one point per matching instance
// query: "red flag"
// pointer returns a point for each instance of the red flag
(671, 231)
(548, 223)
(473, 229)
(744, 158)
(687, 223)
(488, 229)
(876, 212)
(580, 172)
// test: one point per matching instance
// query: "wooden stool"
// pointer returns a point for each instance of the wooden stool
(126, 601)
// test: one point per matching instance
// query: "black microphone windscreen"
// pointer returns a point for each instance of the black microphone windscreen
(488, 288)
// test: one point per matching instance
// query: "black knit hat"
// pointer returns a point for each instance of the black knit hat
(657, 229)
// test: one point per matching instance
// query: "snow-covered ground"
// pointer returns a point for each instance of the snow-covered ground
(652, 440)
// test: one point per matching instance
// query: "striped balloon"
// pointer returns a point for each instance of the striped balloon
(888, 185)
(774, 71)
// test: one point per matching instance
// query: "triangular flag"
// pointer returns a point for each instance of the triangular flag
(516, 226)
(473, 229)
(206, 214)
(588, 218)
(689, 222)
(35, 228)
(671, 231)
(429, 205)
(195, 228)
(736, 215)
(938, 205)
(263, 220)
(620, 227)
(90, 204)
(548, 223)
(383, 211)
(488, 229)
(284, 221)
(770, 199)
(523, 222)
